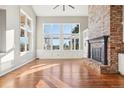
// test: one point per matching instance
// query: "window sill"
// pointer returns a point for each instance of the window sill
(23, 53)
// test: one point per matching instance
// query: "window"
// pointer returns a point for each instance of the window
(25, 32)
(56, 44)
(67, 44)
(61, 36)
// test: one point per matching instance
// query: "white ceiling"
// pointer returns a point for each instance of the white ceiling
(47, 10)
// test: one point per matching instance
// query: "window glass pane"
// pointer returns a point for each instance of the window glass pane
(29, 37)
(24, 40)
(67, 44)
(77, 44)
(22, 47)
(22, 33)
(47, 29)
(28, 47)
(75, 28)
(22, 19)
(28, 41)
(47, 44)
(52, 29)
(70, 28)
(23, 44)
(56, 28)
(67, 28)
(56, 44)
(73, 42)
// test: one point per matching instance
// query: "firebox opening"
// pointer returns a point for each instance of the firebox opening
(97, 49)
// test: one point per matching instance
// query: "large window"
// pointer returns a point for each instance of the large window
(61, 36)
(25, 32)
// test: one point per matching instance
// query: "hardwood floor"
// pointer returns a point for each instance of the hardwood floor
(59, 74)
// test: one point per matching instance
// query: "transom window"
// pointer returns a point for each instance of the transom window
(63, 36)
(25, 32)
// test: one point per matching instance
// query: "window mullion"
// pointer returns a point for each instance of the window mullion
(71, 42)
(74, 44)
(51, 41)
(78, 42)
(61, 37)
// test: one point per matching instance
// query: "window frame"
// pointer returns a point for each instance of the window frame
(61, 36)
(27, 29)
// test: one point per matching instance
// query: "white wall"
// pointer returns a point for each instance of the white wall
(12, 58)
(2, 30)
(41, 53)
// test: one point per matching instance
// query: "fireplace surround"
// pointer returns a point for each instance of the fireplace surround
(97, 49)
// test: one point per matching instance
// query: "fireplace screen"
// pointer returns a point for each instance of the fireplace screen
(98, 49)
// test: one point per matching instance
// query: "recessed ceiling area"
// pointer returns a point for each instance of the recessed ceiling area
(47, 10)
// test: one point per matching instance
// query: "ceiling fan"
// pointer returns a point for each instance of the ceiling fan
(64, 6)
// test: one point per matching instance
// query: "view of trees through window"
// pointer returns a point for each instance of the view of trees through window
(61, 36)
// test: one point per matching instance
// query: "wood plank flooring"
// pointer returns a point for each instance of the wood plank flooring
(59, 74)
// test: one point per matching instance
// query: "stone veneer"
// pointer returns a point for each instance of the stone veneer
(99, 21)
(107, 20)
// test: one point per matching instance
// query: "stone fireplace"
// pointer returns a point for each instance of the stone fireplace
(105, 20)
(97, 49)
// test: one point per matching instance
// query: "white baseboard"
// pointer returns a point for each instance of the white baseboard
(61, 58)
(12, 69)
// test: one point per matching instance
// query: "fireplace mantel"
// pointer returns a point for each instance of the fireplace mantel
(97, 49)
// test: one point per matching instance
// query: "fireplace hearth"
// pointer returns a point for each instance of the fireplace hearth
(97, 49)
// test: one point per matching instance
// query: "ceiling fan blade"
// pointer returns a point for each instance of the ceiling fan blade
(63, 7)
(71, 6)
(55, 6)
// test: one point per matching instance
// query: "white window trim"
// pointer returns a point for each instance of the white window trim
(61, 33)
(26, 28)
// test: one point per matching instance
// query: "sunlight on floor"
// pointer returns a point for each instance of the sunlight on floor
(57, 82)
(42, 84)
(30, 71)
(37, 66)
